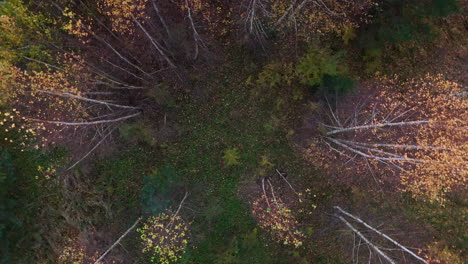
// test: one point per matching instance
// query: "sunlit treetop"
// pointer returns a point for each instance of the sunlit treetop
(277, 219)
(122, 12)
(306, 18)
(164, 237)
(215, 18)
(8, 75)
(322, 16)
(22, 31)
(407, 134)
(79, 27)
(39, 95)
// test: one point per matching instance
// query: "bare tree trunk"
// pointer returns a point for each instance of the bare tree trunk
(381, 234)
(264, 192)
(118, 241)
(378, 158)
(156, 44)
(86, 123)
(286, 12)
(196, 36)
(298, 9)
(163, 22)
(123, 69)
(91, 151)
(169, 226)
(45, 63)
(69, 95)
(406, 123)
(374, 247)
(273, 194)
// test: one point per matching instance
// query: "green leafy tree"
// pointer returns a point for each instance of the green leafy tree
(23, 33)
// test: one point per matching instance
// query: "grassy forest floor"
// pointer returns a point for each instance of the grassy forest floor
(226, 117)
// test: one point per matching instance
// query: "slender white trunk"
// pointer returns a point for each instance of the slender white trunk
(177, 212)
(367, 155)
(161, 19)
(85, 123)
(121, 56)
(286, 12)
(69, 95)
(298, 9)
(91, 151)
(264, 192)
(375, 145)
(381, 234)
(354, 145)
(369, 243)
(406, 123)
(123, 69)
(284, 178)
(196, 36)
(155, 43)
(273, 194)
(45, 63)
(118, 241)
(105, 42)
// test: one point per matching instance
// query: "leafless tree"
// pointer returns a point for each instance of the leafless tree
(365, 240)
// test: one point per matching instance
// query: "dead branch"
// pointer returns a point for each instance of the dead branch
(118, 241)
(286, 12)
(273, 194)
(407, 123)
(284, 178)
(163, 22)
(264, 192)
(196, 37)
(73, 96)
(86, 123)
(177, 212)
(155, 43)
(374, 247)
(380, 233)
(93, 149)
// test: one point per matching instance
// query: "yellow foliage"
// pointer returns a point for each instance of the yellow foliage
(278, 220)
(120, 13)
(324, 16)
(425, 150)
(164, 237)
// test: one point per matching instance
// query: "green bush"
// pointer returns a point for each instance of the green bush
(156, 190)
(336, 85)
(317, 64)
(137, 132)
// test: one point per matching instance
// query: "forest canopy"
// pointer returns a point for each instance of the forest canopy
(217, 131)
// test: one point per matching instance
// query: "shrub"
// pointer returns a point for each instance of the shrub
(317, 64)
(278, 220)
(156, 190)
(231, 157)
(164, 237)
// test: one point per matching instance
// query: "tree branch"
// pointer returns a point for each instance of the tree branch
(381, 234)
(374, 247)
(406, 123)
(155, 43)
(118, 241)
(69, 95)
(85, 123)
